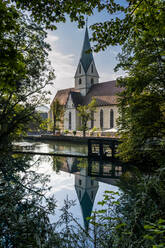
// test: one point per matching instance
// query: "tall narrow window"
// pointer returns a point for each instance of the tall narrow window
(80, 81)
(80, 194)
(80, 69)
(101, 119)
(111, 118)
(92, 119)
(92, 68)
(92, 81)
(70, 120)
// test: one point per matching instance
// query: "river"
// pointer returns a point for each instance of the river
(72, 178)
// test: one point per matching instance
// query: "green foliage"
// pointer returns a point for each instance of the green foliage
(66, 131)
(57, 163)
(86, 113)
(156, 232)
(24, 210)
(55, 12)
(142, 105)
(135, 217)
(94, 129)
(74, 132)
(12, 67)
(44, 125)
(57, 112)
(24, 72)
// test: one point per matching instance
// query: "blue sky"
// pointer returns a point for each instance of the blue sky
(66, 43)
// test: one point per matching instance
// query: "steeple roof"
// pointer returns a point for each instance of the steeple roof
(86, 58)
(86, 206)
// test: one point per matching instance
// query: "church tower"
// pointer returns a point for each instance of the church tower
(86, 73)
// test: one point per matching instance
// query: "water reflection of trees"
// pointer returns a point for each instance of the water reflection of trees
(24, 209)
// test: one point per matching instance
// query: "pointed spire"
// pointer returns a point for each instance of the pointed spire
(86, 58)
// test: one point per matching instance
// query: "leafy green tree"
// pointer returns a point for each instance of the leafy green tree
(142, 105)
(86, 113)
(23, 82)
(57, 113)
(12, 67)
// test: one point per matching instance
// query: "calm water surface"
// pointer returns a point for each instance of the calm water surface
(76, 179)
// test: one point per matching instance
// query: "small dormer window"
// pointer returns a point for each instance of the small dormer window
(80, 69)
(92, 68)
(80, 81)
(92, 81)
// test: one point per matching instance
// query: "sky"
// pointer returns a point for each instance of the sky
(66, 44)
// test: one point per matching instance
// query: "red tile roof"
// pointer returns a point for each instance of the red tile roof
(62, 95)
(104, 93)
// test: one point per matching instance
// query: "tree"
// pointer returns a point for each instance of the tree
(23, 82)
(24, 212)
(86, 113)
(12, 68)
(57, 113)
(142, 105)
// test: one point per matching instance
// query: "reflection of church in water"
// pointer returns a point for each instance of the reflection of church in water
(87, 178)
(86, 189)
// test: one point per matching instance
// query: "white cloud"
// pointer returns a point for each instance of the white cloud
(63, 65)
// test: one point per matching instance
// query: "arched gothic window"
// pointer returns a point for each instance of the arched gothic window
(101, 119)
(80, 69)
(111, 118)
(70, 120)
(92, 68)
(92, 81)
(80, 81)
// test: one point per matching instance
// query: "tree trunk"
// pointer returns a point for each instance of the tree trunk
(84, 133)
(54, 127)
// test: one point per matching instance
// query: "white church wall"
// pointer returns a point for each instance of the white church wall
(70, 109)
(106, 116)
(73, 119)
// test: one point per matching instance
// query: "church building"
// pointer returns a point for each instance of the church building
(87, 87)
